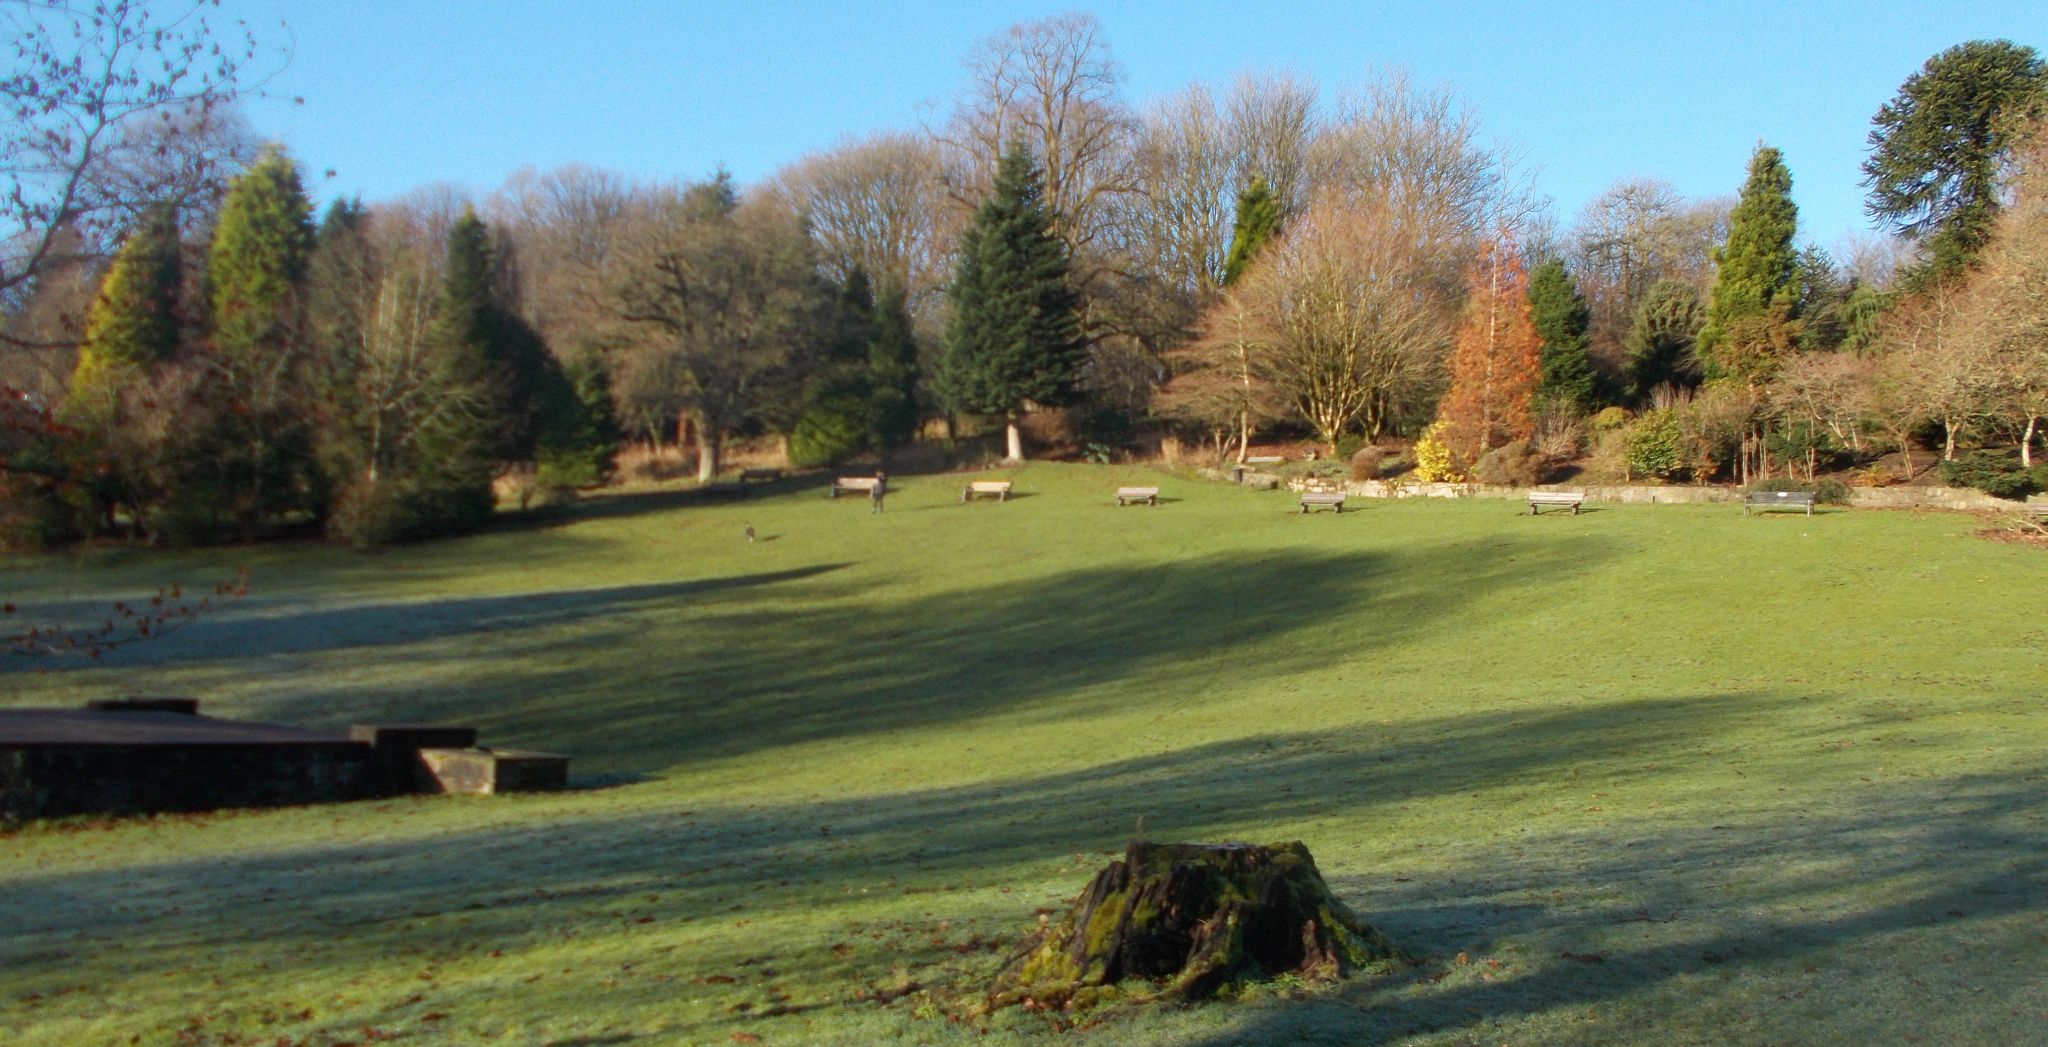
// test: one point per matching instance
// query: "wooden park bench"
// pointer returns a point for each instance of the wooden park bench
(1557, 499)
(750, 477)
(2035, 510)
(1134, 495)
(1333, 499)
(1771, 501)
(999, 488)
(1264, 459)
(850, 484)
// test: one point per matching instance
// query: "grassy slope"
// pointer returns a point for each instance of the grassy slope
(1783, 778)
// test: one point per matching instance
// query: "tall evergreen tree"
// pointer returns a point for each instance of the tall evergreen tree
(1015, 334)
(892, 365)
(1258, 221)
(260, 465)
(258, 260)
(1564, 322)
(133, 321)
(1758, 267)
(1663, 336)
(527, 381)
(1937, 146)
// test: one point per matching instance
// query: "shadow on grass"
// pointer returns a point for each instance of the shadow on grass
(1940, 859)
(720, 672)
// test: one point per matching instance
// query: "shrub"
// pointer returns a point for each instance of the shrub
(1512, 464)
(1993, 472)
(1433, 460)
(1365, 463)
(386, 513)
(1349, 444)
(1608, 419)
(1656, 446)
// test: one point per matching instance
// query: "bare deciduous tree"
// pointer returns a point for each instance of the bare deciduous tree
(878, 204)
(1637, 232)
(101, 104)
(1053, 85)
(1350, 330)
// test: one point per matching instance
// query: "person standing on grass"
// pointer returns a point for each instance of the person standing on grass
(878, 491)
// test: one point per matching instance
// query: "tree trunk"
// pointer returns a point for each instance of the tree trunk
(707, 453)
(1193, 920)
(1244, 435)
(1013, 438)
(2027, 441)
(1948, 440)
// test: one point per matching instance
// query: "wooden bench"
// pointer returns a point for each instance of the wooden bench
(1539, 499)
(1133, 495)
(1264, 459)
(765, 476)
(1771, 501)
(849, 484)
(999, 488)
(1333, 499)
(2035, 510)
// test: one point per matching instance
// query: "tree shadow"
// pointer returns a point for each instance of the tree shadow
(1950, 863)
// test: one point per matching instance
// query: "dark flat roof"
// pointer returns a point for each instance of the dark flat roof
(19, 727)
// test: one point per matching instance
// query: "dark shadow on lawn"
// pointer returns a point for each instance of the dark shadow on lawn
(732, 675)
(1972, 854)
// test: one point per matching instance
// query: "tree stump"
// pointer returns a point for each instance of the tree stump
(1193, 920)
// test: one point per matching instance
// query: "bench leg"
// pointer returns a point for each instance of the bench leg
(1575, 508)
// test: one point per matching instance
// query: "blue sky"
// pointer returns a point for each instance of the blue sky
(467, 91)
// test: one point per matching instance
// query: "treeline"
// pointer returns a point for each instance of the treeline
(1221, 264)
(367, 377)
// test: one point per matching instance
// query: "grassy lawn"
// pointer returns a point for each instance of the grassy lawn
(1652, 774)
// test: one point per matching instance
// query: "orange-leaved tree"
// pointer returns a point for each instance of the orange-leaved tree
(1493, 362)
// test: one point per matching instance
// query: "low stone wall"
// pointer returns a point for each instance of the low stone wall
(54, 781)
(1955, 498)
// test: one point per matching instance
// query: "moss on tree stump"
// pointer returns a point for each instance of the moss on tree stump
(1192, 920)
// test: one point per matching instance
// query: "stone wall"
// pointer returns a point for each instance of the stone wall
(1956, 498)
(54, 781)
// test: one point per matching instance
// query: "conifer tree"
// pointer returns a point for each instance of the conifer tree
(1258, 221)
(1937, 146)
(134, 320)
(1663, 336)
(1015, 334)
(1563, 321)
(1494, 369)
(892, 365)
(1758, 268)
(258, 260)
(259, 465)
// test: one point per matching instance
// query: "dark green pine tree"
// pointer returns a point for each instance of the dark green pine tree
(1823, 298)
(1937, 146)
(1563, 320)
(527, 381)
(1015, 333)
(447, 490)
(1758, 267)
(1258, 221)
(134, 320)
(1662, 338)
(892, 368)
